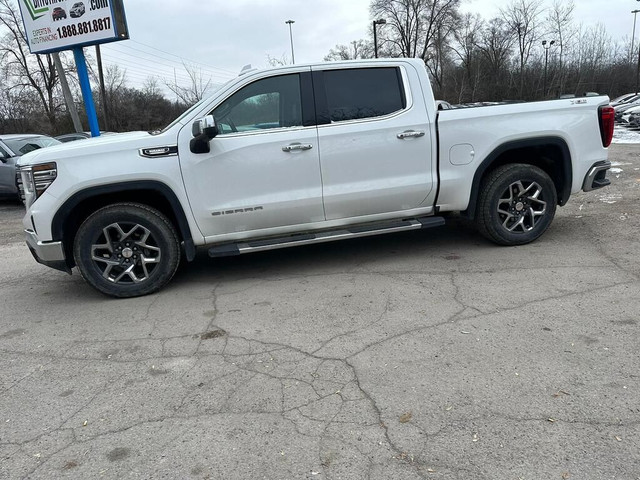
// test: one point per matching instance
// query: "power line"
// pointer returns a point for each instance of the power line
(192, 61)
(138, 77)
(141, 78)
(136, 67)
(182, 63)
(156, 63)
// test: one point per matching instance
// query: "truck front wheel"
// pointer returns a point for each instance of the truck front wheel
(127, 250)
(517, 204)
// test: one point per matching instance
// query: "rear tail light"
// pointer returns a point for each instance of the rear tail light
(607, 117)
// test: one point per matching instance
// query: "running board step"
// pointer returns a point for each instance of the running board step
(231, 249)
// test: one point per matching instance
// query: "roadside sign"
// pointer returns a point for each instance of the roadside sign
(54, 25)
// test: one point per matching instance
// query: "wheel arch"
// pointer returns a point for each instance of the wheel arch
(551, 154)
(152, 193)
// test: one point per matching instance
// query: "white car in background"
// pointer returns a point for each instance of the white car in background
(623, 99)
(624, 119)
(13, 147)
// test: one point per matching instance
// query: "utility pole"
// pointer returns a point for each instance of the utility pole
(66, 91)
(103, 95)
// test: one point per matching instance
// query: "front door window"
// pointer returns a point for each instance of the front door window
(263, 105)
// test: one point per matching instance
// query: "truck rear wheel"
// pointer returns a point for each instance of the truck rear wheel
(517, 204)
(127, 250)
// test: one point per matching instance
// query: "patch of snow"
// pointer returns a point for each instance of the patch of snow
(609, 198)
(624, 135)
(616, 170)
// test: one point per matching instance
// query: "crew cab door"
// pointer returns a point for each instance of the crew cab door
(375, 140)
(263, 169)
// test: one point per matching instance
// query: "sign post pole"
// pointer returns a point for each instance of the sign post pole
(85, 86)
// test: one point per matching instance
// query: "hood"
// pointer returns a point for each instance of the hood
(93, 145)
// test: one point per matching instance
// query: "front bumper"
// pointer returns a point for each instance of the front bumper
(596, 176)
(50, 254)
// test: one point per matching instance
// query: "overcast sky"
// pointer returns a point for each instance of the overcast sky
(224, 36)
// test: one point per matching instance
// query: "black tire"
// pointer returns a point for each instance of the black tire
(516, 205)
(127, 250)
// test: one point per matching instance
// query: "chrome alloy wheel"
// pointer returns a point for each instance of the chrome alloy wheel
(521, 206)
(126, 253)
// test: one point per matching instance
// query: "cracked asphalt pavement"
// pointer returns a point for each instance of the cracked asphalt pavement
(431, 354)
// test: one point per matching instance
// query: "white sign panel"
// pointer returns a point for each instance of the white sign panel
(53, 25)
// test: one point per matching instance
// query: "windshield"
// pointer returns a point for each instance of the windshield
(194, 107)
(20, 146)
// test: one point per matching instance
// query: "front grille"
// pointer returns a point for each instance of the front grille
(19, 185)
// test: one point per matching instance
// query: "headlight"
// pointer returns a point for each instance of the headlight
(35, 180)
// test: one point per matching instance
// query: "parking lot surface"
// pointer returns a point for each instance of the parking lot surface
(431, 354)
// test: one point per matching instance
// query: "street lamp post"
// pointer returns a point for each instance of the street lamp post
(381, 21)
(546, 47)
(291, 22)
(633, 35)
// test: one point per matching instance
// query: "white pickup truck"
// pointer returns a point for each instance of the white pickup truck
(305, 154)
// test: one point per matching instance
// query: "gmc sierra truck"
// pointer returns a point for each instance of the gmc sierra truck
(305, 154)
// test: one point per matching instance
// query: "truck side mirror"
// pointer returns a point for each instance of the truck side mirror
(205, 126)
(203, 130)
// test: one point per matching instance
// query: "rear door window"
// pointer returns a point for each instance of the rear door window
(361, 93)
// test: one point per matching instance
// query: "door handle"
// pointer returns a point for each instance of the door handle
(410, 133)
(297, 146)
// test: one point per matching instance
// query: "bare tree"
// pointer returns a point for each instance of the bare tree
(467, 38)
(115, 78)
(594, 56)
(278, 62)
(413, 25)
(194, 92)
(19, 111)
(438, 57)
(356, 49)
(404, 24)
(151, 87)
(522, 18)
(495, 45)
(23, 71)
(560, 22)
